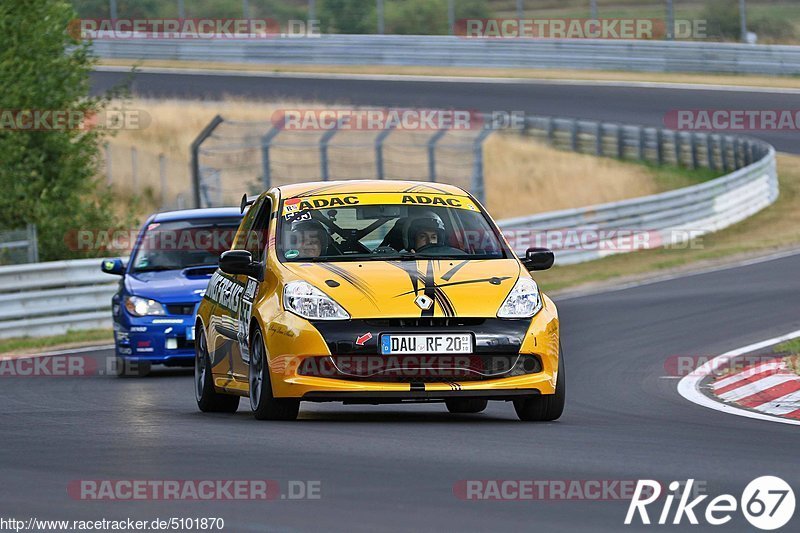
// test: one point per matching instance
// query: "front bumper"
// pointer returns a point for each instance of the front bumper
(167, 340)
(291, 341)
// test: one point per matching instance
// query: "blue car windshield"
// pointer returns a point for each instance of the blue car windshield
(180, 244)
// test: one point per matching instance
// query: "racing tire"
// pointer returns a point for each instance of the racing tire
(545, 407)
(263, 404)
(124, 368)
(466, 405)
(208, 399)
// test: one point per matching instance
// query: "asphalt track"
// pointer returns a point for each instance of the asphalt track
(630, 105)
(393, 468)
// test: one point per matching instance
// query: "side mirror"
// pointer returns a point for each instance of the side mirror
(538, 259)
(113, 266)
(239, 262)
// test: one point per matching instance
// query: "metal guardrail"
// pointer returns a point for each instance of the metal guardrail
(50, 298)
(54, 297)
(438, 51)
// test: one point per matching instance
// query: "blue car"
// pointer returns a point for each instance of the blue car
(173, 258)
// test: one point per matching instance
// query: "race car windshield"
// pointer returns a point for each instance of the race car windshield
(447, 227)
(176, 245)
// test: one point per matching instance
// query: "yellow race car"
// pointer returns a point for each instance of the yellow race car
(376, 292)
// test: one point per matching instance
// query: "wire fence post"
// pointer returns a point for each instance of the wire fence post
(432, 153)
(478, 188)
(723, 151)
(266, 144)
(162, 173)
(33, 244)
(195, 149)
(642, 142)
(109, 173)
(712, 163)
(659, 146)
(574, 135)
(324, 141)
(379, 149)
(598, 140)
(620, 141)
(134, 170)
(695, 160)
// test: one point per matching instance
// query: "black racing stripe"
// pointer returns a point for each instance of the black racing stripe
(351, 279)
(429, 289)
(444, 302)
(410, 268)
(452, 272)
(464, 282)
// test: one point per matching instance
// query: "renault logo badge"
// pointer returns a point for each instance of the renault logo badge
(423, 302)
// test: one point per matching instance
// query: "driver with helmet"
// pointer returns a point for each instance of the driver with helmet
(310, 238)
(426, 229)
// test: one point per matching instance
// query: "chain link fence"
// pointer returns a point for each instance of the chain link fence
(235, 157)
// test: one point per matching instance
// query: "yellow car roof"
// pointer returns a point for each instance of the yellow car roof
(318, 188)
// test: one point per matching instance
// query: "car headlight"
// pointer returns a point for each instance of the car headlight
(304, 299)
(523, 301)
(143, 306)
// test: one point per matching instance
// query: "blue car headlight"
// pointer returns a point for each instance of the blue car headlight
(143, 306)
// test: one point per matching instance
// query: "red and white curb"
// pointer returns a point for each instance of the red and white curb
(767, 387)
(764, 391)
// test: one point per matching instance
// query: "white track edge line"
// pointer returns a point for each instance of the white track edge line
(689, 386)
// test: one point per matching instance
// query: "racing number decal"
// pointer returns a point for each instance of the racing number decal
(245, 311)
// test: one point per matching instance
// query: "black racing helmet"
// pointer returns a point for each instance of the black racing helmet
(301, 227)
(425, 221)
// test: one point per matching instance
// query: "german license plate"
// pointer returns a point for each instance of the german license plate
(426, 344)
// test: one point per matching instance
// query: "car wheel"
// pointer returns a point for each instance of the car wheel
(208, 399)
(263, 404)
(466, 405)
(545, 407)
(125, 368)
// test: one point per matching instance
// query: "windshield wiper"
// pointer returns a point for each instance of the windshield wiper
(154, 269)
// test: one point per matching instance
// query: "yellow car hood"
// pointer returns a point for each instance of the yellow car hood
(385, 289)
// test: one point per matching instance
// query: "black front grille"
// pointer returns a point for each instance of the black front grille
(180, 309)
(424, 322)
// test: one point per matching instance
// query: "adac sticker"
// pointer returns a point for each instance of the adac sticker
(291, 254)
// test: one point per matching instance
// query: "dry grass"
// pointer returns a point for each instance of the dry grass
(525, 177)
(457, 72)
(522, 176)
(774, 228)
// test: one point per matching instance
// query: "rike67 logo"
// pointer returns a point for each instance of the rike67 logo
(767, 503)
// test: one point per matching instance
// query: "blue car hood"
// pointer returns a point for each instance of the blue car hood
(169, 286)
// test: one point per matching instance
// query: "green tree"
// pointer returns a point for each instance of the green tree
(48, 176)
(348, 16)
